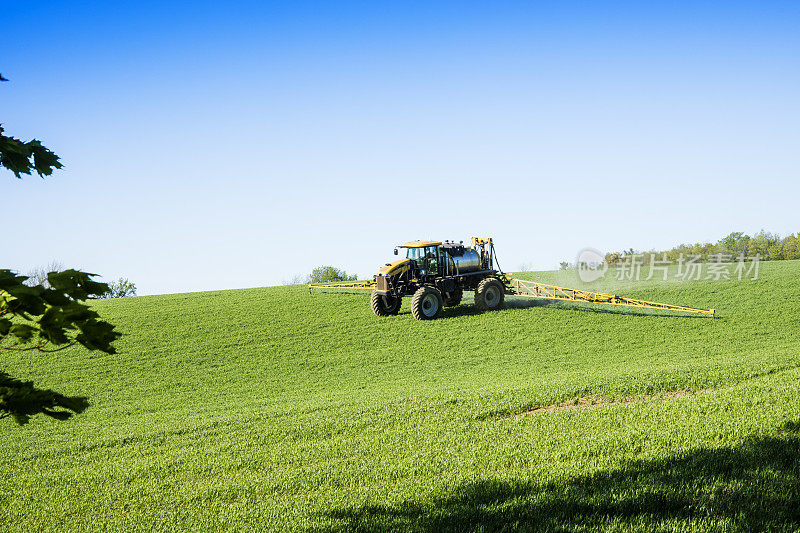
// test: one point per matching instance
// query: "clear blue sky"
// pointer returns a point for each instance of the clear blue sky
(213, 145)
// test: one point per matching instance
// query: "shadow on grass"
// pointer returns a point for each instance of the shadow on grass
(751, 487)
(470, 310)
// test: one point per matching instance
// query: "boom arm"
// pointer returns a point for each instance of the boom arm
(534, 289)
(353, 285)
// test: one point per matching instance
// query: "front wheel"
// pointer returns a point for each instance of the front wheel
(385, 304)
(489, 295)
(426, 304)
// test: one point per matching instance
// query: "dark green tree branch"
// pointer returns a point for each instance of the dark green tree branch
(26, 157)
(45, 319)
(48, 320)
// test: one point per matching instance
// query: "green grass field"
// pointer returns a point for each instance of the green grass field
(273, 409)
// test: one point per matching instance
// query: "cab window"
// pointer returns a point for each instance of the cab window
(432, 259)
(414, 253)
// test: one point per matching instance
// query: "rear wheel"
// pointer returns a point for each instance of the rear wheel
(489, 295)
(426, 304)
(453, 298)
(385, 304)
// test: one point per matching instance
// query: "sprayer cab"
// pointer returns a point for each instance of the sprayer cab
(435, 274)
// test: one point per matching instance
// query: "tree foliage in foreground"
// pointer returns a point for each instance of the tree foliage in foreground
(45, 320)
(26, 157)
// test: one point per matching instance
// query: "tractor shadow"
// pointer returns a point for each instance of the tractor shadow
(466, 308)
(754, 486)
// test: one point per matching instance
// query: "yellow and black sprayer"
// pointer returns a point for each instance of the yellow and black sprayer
(435, 274)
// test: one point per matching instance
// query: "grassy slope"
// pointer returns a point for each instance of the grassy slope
(272, 408)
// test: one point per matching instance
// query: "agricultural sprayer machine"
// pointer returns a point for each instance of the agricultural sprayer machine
(435, 275)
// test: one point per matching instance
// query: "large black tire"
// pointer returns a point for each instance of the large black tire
(426, 304)
(452, 299)
(489, 295)
(385, 305)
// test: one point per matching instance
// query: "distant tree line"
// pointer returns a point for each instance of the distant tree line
(330, 274)
(322, 274)
(120, 289)
(768, 246)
